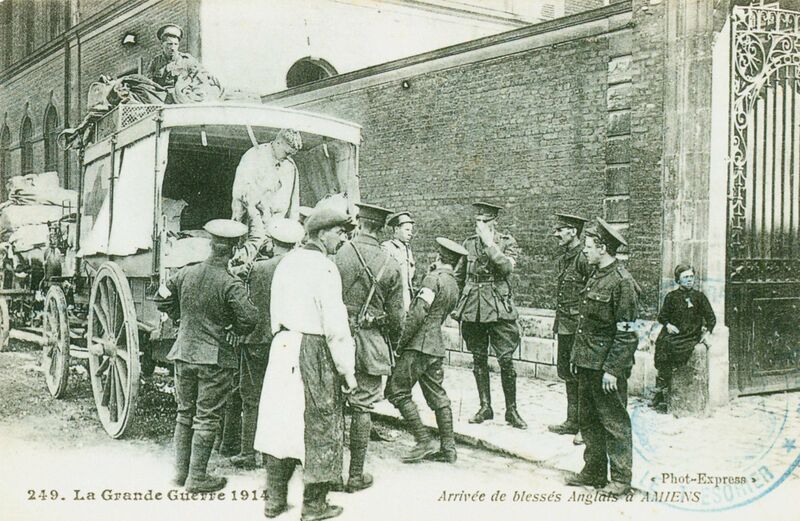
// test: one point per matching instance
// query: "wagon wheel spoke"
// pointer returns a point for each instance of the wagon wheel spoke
(122, 363)
(120, 392)
(113, 306)
(103, 367)
(107, 383)
(112, 402)
(101, 318)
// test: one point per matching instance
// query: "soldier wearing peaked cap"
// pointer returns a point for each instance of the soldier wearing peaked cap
(399, 248)
(486, 310)
(422, 350)
(573, 272)
(373, 294)
(602, 357)
(208, 300)
(285, 234)
(163, 68)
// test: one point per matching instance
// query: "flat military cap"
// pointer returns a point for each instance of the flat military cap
(372, 212)
(225, 228)
(399, 218)
(169, 30)
(450, 246)
(487, 209)
(572, 221)
(285, 230)
(322, 218)
(608, 234)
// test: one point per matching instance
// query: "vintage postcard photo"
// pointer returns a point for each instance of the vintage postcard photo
(399, 259)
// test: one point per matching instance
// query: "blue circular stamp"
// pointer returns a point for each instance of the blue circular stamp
(736, 457)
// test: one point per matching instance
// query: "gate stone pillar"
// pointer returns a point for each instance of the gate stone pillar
(694, 170)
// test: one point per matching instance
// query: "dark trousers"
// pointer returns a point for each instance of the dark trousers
(565, 343)
(503, 336)
(251, 380)
(606, 427)
(200, 391)
(413, 367)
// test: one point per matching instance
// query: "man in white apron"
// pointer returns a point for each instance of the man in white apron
(301, 409)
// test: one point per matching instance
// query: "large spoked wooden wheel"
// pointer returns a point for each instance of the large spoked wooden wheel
(55, 348)
(5, 324)
(113, 342)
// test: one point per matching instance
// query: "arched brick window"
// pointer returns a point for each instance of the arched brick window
(307, 70)
(26, 146)
(50, 134)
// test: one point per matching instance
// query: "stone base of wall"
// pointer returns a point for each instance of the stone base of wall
(536, 356)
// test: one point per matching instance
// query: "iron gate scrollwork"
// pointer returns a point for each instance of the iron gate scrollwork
(763, 268)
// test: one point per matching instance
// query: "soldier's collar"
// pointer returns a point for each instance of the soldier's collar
(574, 250)
(608, 268)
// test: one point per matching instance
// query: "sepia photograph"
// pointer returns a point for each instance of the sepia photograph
(399, 260)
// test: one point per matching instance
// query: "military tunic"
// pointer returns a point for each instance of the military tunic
(422, 348)
(163, 69)
(207, 299)
(486, 308)
(605, 342)
(573, 272)
(402, 253)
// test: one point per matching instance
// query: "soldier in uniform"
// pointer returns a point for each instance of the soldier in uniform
(422, 350)
(573, 272)
(164, 67)
(207, 300)
(398, 247)
(373, 294)
(285, 234)
(602, 358)
(487, 312)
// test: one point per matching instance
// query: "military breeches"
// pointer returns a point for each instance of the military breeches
(565, 343)
(413, 367)
(201, 391)
(606, 427)
(503, 336)
(367, 393)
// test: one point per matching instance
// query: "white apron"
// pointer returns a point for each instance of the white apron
(281, 429)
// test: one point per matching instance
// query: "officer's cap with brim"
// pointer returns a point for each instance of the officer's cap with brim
(225, 229)
(285, 230)
(485, 209)
(450, 246)
(373, 212)
(573, 221)
(399, 218)
(323, 218)
(169, 30)
(607, 234)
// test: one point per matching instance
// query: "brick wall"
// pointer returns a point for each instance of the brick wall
(528, 130)
(30, 91)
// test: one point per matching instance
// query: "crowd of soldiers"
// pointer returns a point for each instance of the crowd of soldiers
(330, 320)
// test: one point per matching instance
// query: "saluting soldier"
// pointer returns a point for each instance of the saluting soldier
(573, 272)
(602, 358)
(207, 300)
(284, 235)
(486, 310)
(422, 350)
(400, 250)
(373, 294)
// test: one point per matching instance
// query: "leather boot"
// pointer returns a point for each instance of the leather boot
(484, 394)
(425, 446)
(183, 452)
(360, 427)
(509, 379)
(199, 480)
(447, 451)
(571, 425)
(278, 474)
(315, 504)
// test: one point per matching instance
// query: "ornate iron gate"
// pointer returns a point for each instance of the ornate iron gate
(763, 268)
